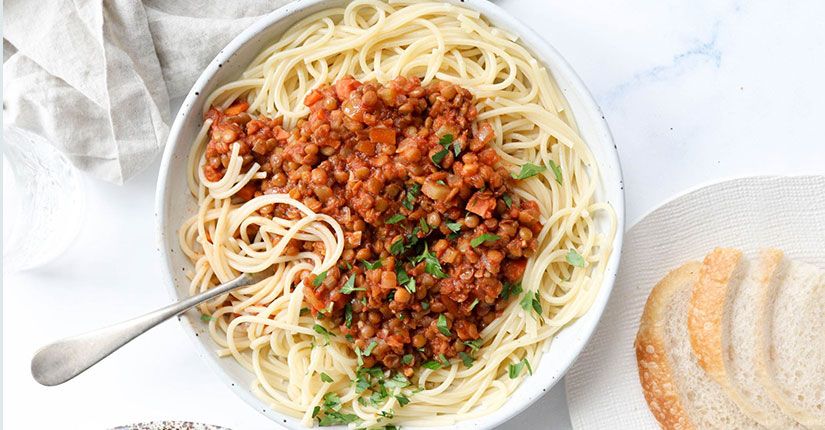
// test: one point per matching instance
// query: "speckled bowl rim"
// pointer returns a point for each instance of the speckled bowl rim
(565, 347)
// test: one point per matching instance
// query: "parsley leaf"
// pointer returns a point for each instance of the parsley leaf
(326, 378)
(507, 200)
(444, 361)
(395, 219)
(556, 171)
(439, 156)
(483, 238)
(407, 359)
(457, 148)
(515, 369)
(397, 381)
(369, 348)
(425, 228)
(372, 266)
(531, 300)
(409, 198)
(510, 290)
(348, 315)
(574, 258)
(397, 247)
(442, 325)
(315, 411)
(466, 358)
(206, 318)
(474, 344)
(434, 365)
(528, 170)
(433, 266)
(454, 227)
(349, 286)
(446, 140)
(335, 418)
(402, 400)
(323, 331)
(319, 279)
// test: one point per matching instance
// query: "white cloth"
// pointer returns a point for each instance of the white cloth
(100, 79)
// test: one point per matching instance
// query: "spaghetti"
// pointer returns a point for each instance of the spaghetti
(301, 367)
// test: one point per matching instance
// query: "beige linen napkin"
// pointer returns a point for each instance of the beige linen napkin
(101, 79)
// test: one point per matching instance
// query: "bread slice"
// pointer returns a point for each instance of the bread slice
(680, 394)
(790, 360)
(722, 327)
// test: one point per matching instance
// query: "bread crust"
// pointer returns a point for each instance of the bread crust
(655, 373)
(707, 308)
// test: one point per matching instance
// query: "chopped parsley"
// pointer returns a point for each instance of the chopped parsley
(410, 285)
(397, 247)
(407, 359)
(349, 286)
(446, 140)
(510, 290)
(574, 258)
(556, 171)
(433, 266)
(402, 400)
(206, 318)
(409, 198)
(466, 358)
(369, 348)
(332, 412)
(395, 219)
(444, 361)
(474, 344)
(531, 300)
(454, 227)
(438, 157)
(515, 369)
(507, 200)
(442, 325)
(425, 305)
(483, 238)
(323, 331)
(528, 170)
(319, 279)
(326, 378)
(434, 365)
(473, 305)
(425, 228)
(348, 315)
(397, 381)
(373, 265)
(335, 418)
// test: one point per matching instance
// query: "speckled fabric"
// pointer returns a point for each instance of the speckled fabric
(169, 425)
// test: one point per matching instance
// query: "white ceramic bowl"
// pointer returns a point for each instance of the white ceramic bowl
(174, 204)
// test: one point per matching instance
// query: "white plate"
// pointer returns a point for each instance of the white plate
(603, 390)
(174, 203)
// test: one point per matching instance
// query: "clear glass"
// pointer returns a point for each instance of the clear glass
(43, 201)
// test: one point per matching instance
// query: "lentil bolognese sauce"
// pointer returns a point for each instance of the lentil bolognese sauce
(411, 184)
(432, 231)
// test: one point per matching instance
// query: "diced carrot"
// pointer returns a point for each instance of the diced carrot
(236, 108)
(482, 204)
(247, 192)
(345, 86)
(313, 97)
(382, 135)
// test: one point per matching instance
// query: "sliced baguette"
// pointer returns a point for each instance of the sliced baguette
(721, 306)
(790, 359)
(680, 394)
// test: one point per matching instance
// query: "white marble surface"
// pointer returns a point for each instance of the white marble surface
(693, 91)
